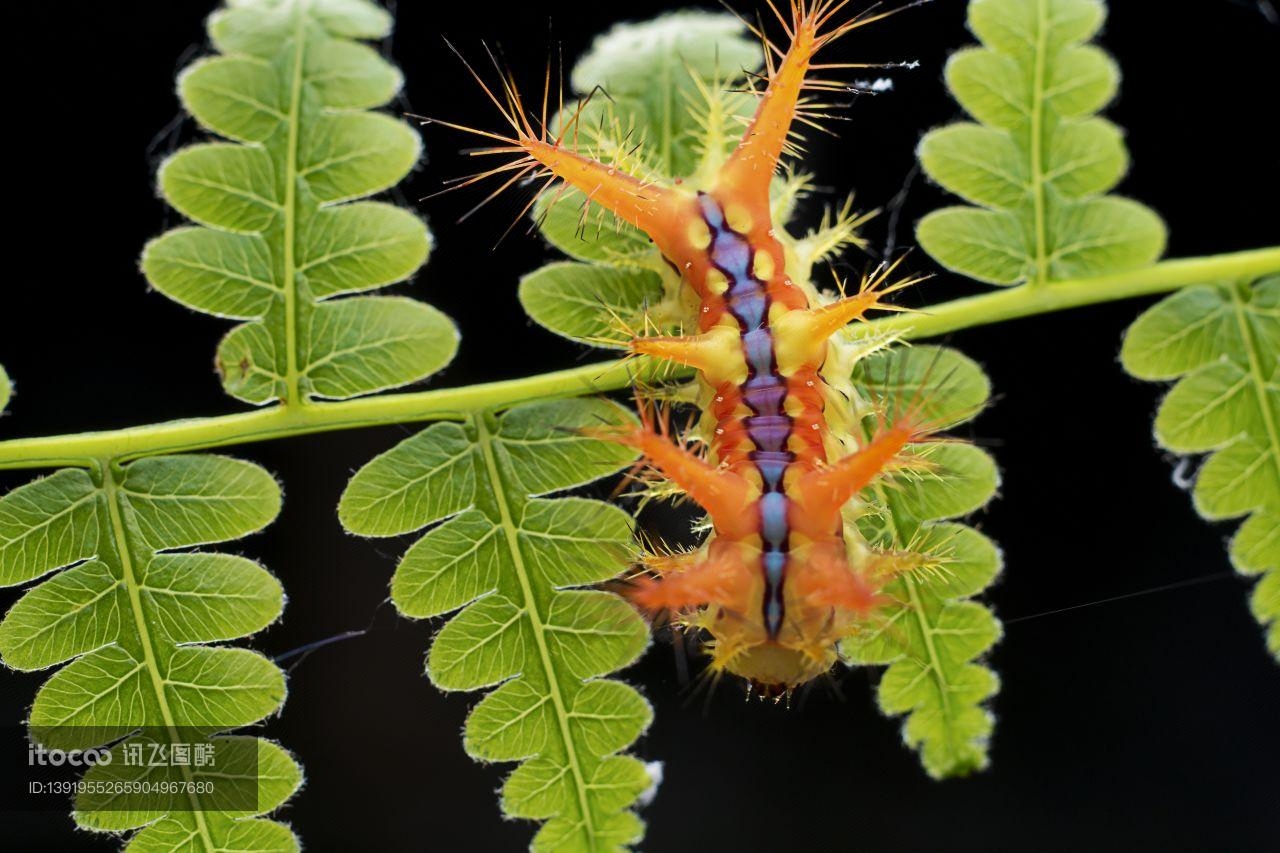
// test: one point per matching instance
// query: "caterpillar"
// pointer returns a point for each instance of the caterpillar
(783, 575)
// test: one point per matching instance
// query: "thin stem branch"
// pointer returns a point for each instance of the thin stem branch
(440, 404)
(1028, 300)
(455, 403)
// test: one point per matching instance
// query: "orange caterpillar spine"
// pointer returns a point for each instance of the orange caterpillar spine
(778, 585)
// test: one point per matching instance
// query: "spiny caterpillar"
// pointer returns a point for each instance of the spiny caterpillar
(784, 575)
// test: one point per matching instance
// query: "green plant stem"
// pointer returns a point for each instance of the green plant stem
(1028, 300)
(455, 403)
(443, 404)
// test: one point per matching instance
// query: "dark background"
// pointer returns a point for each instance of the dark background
(1151, 723)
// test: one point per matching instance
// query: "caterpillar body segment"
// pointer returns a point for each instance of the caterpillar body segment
(783, 576)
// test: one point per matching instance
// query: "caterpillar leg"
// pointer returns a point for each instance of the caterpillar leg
(536, 151)
(751, 167)
(802, 335)
(718, 578)
(827, 580)
(724, 494)
(717, 353)
(822, 492)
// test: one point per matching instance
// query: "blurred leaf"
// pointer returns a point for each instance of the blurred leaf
(6, 388)
(271, 246)
(658, 75)
(1039, 163)
(512, 563)
(1222, 345)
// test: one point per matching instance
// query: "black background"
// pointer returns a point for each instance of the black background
(1151, 723)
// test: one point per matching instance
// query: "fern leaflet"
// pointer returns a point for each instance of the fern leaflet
(133, 610)
(1039, 163)
(932, 635)
(511, 560)
(1221, 343)
(279, 235)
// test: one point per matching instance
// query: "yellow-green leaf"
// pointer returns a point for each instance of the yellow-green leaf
(127, 613)
(1222, 344)
(275, 242)
(509, 559)
(931, 636)
(1039, 162)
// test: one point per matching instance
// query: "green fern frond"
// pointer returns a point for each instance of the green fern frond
(513, 560)
(131, 614)
(280, 234)
(931, 637)
(1221, 344)
(1039, 163)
